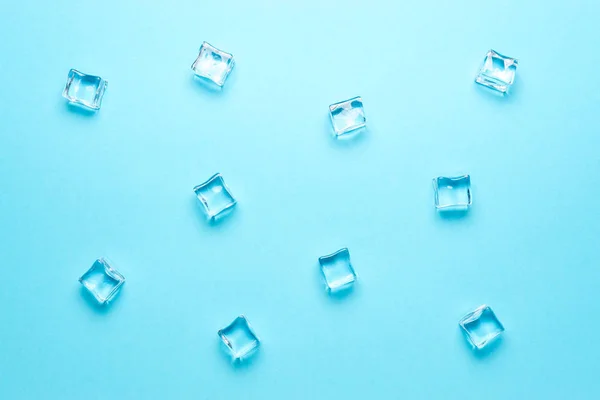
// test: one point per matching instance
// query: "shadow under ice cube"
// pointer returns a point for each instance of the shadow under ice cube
(347, 116)
(102, 280)
(215, 197)
(481, 326)
(239, 338)
(213, 64)
(497, 72)
(337, 270)
(84, 90)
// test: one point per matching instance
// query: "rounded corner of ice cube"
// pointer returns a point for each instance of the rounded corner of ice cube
(197, 189)
(72, 72)
(341, 287)
(103, 85)
(216, 175)
(219, 83)
(344, 251)
(221, 334)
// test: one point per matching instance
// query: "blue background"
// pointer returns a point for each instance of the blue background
(75, 187)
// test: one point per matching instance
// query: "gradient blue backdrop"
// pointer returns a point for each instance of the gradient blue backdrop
(119, 184)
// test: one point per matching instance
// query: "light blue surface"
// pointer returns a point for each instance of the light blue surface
(119, 184)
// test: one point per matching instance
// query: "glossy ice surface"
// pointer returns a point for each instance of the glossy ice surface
(215, 197)
(347, 116)
(481, 326)
(213, 64)
(102, 280)
(337, 270)
(497, 72)
(452, 193)
(239, 338)
(85, 90)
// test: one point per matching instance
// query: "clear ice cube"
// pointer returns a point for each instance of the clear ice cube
(337, 270)
(452, 193)
(239, 338)
(215, 197)
(213, 64)
(347, 116)
(102, 280)
(497, 72)
(481, 326)
(84, 90)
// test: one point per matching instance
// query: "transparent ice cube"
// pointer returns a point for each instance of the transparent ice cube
(337, 270)
(213, 64)
(102, 280)
(497, 72)
(215, 197)
(452, 193)
(481, 326)
(347, 116)
(239, 338)
(84, 90)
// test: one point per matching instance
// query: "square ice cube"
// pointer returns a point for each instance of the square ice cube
(239, 338)
(347, 116)
(452, 193)
(215, 197)
(213, 64)
(337, 270)
(497, 72)
(84, 90)
(481, 326)
(102, 280)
